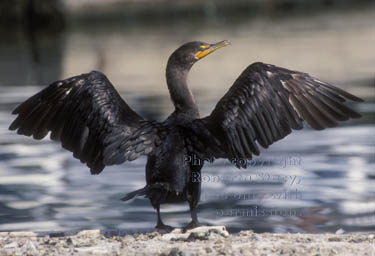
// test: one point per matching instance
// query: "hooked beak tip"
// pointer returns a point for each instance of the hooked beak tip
(211, 48)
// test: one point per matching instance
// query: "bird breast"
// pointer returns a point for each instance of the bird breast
(167, 164)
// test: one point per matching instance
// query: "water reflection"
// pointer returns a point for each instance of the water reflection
(43, 188)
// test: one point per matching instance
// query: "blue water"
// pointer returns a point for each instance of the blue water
(308, 182)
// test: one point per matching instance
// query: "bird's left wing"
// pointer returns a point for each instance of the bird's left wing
(88, 116)
(264, 104)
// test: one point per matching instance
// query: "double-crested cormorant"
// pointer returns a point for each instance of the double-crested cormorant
(88, 116)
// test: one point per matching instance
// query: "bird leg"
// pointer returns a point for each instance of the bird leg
(194, 218)
(160, 224)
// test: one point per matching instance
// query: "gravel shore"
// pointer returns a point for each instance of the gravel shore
(198, 241)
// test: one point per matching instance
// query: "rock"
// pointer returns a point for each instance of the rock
(174, 252)
(175, 235)
(69, 241)
(22, 234)
(153, 234)
(28, 248)
(4, 234)
(208, 249)
(333, 251)
(255, 237)
(199, 233)
(356, 240)
(334, 239)
(57, 234)
(198, 241)
(90, 233)
(11, 245)
(245, 232)
(340, 231)
(203, 233)
(221, 230)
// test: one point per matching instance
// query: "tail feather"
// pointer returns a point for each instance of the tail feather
(139, 192)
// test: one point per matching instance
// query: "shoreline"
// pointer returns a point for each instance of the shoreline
(199, 241)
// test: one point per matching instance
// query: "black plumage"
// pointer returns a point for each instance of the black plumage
(87, 115)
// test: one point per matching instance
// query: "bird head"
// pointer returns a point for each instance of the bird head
(186, 55)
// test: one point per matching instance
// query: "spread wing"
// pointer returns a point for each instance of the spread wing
(88, 116)
(263, 106)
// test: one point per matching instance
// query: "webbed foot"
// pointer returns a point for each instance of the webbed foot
(163, 227)
(191, 225)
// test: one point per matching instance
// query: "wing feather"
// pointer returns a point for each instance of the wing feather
(88, 116)
(264, 105)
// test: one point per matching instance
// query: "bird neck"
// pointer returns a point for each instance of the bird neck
(182, 97)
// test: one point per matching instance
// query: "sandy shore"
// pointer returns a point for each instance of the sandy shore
(199, 241)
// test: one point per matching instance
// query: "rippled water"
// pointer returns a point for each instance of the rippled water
(309, 182)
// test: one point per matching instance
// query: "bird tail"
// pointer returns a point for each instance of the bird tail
(139, 192)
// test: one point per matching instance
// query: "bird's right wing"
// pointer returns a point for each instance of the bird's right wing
(264, 104)
(88, 116)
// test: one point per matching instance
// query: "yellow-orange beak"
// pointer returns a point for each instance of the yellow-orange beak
(207, 49)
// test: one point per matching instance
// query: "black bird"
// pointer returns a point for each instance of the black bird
(88, 116)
